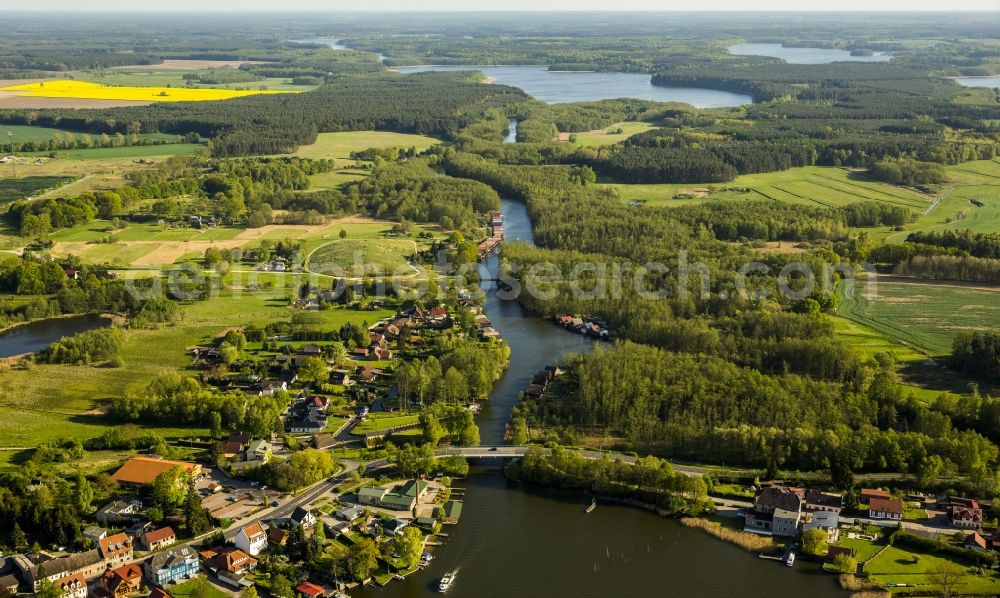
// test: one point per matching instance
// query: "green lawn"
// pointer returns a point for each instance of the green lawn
(905, 566)
(377, 422)
(605, 137)
(356, 257)
(340, 145)
(190, 589)
(863, 549)
(25, 133)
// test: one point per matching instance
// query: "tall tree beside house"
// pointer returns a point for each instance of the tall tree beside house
(216, 424)
(314, 370)
(281, 587)
(814, 542)
(18, 538)
(362, 558)
(195, 515)
(169, 488)
(48, 589)
(408, 544)
(250, 592)
(83, 494)
(948, 577)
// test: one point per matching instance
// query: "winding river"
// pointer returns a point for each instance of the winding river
(516, 542)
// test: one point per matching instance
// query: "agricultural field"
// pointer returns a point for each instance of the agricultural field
(811, 185)
(158, 76)
(85, 90)
(128, 151)
(971, 201)
(357, 257)
(26, 133)
(605, 136)
(923, 316)
(150, 246)
(21, 187)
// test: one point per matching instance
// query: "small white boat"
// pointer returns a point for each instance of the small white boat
(446, 581)
(426, 558)
(790, 561)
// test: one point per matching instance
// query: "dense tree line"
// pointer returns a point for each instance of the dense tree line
(983, 245)
(649, 480)
(708, 409)
(909, 172)
(977, 353)
(84, 348)
(174, 399)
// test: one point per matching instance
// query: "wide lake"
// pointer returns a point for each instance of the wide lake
(37, 335)
(557, 87)
(805, 55)
(992, 82)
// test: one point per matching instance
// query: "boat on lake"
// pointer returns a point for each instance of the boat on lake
(790, 559)
(425, 559)
(446, 581)
(592, 505)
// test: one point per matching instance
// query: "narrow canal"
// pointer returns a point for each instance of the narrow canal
(514, 542)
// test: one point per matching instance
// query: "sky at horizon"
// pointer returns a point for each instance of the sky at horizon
(515, 5)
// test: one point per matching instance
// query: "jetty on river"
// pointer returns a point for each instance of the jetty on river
(496, 236)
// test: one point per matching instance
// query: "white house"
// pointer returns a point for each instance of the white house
(303, 518)
(252, 539)
(827, 521)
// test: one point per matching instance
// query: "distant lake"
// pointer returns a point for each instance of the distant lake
(332, 42)
(35, 336)
(991, 82)
(556, 87)
(805, 55)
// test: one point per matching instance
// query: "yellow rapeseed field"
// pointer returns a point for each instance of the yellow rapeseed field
(84, 90)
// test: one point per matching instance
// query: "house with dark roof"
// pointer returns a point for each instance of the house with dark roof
(824, 501)
(776, 511)
(230, 560)
(119, 511)
(302, 518)
(869, 493)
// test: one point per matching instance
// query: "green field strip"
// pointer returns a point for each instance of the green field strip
(918, 200)
(809, 199)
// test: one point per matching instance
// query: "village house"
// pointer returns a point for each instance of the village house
(965, 513)
(230, 560)
(307, 426)
(259, 451)
(776, 511)
(451, 511)
(34, 568)
(158, 538)
(976, 542)
(243, 439)
(828, 521)
(139, 471)
(302, 518)
(380, 354)
(267, 388)
(251, 539)
(309, 590)
(868, 493)
(72, 586)
(276, 536)
(885, 508)
(171, 565)
(394, 526)
(119, 511)
(94, 533)
(824, 501)
(350, 513)
(116, 550)
(122, 581)
(400, 498)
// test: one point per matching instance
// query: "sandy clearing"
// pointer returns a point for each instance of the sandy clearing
(184, 65)
(11, 99)
(167, 252)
